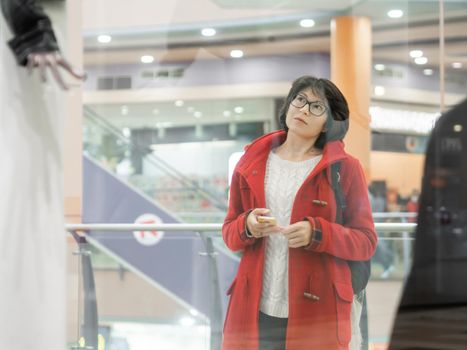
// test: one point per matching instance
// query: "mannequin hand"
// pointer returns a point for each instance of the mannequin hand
(258, 229)
(52, 61)
(298, 234)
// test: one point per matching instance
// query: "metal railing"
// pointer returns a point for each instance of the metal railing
(207, 233)
(394, 227)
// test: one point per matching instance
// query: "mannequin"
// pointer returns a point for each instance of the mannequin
(32, 237)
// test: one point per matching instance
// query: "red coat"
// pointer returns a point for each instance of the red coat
(320, 269)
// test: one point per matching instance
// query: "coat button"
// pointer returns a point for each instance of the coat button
(255, 172)
(311, 296)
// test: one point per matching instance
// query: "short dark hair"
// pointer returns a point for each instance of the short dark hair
(337, 122)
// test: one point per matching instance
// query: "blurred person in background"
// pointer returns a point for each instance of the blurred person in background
(384, 254)
(412, 204)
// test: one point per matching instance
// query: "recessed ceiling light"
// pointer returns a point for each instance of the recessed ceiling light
(227, 114)
(197, 114)
(380, 90)
(194, 312)
(147, 59)
(380, 66)
(457, 127)
(187, 321)
(239, 109)
(124, 110)
(179, 103)
(395, 13)
(208, 32)
(456, 65)
(421, 60)
(307, 23)
(104, 39)
(416, 53)
(126, 132)
(236, 53)
(428, 71)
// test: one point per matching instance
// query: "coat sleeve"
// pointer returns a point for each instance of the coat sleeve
(356, 239)
(31, 27)
(234, 230)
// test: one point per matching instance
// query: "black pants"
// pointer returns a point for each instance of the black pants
(272, 332)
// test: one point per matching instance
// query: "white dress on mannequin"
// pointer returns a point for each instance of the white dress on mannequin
(32, 237)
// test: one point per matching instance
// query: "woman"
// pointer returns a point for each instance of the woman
(293, 288)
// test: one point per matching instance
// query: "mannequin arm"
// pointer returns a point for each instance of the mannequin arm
(34, 43)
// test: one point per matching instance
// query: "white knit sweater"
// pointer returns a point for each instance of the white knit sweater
(282, 181)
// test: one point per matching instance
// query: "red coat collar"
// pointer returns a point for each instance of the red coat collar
(257, 152)
(252, 165)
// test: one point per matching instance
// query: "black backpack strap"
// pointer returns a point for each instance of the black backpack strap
(360, 270)
(336, 186)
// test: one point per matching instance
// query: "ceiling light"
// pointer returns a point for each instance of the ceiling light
(197, 114)
(380, 90)
(104, 39)
(147, 59)
(227, 114)
(239, 109)
(457, 128)
(421, 60)
(126, 132)
(179, 103)
(416, 53)
(395, 13)
(163, 124)
(194, 312)
(307, 23)
(236, 53)
(124, 110)
(187, 321)
(456, 65)
(428, 71)
(380, 67)
(190, 109)
(208, 32)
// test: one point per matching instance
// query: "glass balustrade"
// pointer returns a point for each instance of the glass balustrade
(172, 294)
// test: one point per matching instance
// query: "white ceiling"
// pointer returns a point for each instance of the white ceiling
(170, 30)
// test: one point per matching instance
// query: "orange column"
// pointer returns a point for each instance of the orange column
(351, 72)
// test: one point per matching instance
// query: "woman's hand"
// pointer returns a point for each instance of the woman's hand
(258, 229)
(298, 234)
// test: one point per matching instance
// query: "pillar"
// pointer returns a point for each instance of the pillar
(351, 72)
(73, 149)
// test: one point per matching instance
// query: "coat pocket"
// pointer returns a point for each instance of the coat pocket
(237, 309)
(344, 299)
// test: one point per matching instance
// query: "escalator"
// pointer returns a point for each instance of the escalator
(191, 268)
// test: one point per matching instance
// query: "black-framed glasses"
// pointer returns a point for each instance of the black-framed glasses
(317, 108)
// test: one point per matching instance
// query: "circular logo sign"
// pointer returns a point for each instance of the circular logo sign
(148, 237)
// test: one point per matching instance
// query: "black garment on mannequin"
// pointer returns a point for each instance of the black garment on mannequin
(31, 27)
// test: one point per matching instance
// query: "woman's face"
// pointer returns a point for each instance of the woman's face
(305, 120)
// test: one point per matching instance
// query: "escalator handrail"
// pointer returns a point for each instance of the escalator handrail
(157, 162)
